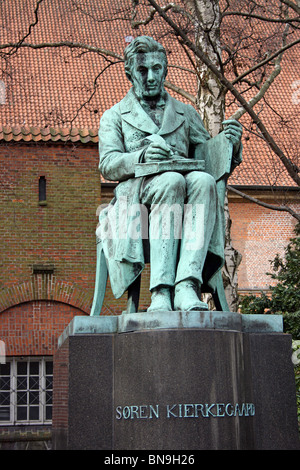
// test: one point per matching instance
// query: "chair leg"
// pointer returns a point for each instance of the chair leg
(100, 282)
(219, 296)
(134, 296)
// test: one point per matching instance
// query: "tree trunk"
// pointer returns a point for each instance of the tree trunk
(211, 95)
(211, 105)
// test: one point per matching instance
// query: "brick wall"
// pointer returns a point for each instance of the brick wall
(60, 233)
(32, 328)
(259, 234)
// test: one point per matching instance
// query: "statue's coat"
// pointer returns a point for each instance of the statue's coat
(122, 142)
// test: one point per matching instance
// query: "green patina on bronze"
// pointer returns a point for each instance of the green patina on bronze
(158, 150)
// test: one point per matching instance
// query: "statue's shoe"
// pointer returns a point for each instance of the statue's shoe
(186, 297)
(160, 300)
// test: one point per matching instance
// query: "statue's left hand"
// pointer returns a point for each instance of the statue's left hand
(233, 131)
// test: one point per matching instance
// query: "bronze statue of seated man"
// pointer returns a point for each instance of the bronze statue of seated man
(150, 127)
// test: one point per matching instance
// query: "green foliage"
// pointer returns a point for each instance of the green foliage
(296, 361)
(253, 304)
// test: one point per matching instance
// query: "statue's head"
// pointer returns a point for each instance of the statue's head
(146, 66)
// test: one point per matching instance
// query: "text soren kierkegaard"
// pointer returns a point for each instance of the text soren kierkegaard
(185, 410)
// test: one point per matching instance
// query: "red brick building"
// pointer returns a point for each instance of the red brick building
(51, 102)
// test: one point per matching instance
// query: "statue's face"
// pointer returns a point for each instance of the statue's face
(148, 74)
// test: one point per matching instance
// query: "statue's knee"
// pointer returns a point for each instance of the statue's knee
(173, 181)
(208, 180)
(201, 179)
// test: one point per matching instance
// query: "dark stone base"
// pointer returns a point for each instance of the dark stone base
(175, 389)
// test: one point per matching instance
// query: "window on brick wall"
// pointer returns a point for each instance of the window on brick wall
(42, 189)
(26, 391)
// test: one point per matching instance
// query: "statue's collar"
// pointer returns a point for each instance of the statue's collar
(133, 113)
(161, 103)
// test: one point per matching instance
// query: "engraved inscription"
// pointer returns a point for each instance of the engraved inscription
(185, 410)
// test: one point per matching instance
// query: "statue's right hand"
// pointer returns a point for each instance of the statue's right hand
(157, 152)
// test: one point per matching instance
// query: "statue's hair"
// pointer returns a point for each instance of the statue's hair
(142, 45)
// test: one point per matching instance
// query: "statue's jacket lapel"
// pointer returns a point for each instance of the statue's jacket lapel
(137, 125)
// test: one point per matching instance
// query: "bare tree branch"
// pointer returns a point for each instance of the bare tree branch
(180, 91)
(265, 61)
(31, 26)
(261, 18)
(267, 83)
(95, 86)
(69, 44)
(255, 99)
(292, 5)
(283, 207)
(136, 23)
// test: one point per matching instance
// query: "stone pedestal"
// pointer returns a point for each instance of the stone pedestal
(175, 381)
